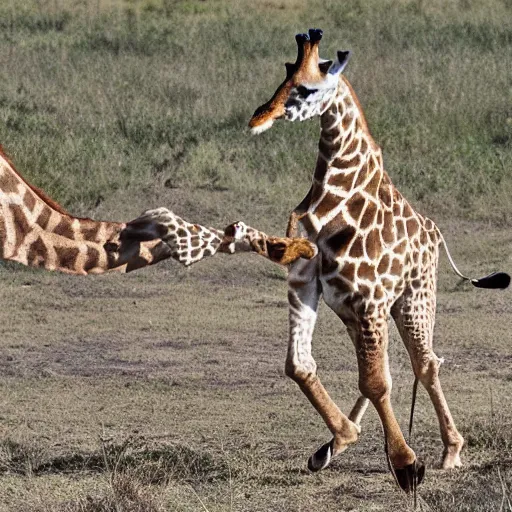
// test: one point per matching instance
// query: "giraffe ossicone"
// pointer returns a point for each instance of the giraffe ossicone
(377, 258)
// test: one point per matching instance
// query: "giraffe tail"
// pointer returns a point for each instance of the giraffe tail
(495, 280)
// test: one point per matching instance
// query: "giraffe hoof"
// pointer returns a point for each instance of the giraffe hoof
(411, 476)
(321, 458)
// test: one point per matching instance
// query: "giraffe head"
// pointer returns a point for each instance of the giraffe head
(308, 89)
(188, 243)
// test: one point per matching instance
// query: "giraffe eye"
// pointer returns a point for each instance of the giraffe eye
(304, 91)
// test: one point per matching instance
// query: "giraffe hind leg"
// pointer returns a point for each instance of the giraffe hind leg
(369, 334)
(416, 326)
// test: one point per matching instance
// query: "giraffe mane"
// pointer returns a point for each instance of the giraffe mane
(355, 99)
(37, 191)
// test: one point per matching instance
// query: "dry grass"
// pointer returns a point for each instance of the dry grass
(192, 404)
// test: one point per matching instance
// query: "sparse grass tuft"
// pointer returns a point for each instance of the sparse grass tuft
(125, 494)
(492, 435)
(23, 459)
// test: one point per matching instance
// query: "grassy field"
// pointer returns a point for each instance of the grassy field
(164, 389)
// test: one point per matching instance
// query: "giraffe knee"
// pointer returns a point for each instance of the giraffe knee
(375, 387)
(427, 368)
(300, 371)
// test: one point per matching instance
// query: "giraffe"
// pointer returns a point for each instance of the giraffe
(38, 232)
(377, 258)
(161, 223)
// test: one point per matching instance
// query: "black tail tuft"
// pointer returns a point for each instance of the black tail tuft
(496, 280)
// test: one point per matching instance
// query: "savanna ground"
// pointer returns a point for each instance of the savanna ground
(164, 389)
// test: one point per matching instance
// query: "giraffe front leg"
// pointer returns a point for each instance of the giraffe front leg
(301, 367)
(371, 339)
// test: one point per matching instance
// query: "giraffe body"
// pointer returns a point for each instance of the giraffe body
(377, 258)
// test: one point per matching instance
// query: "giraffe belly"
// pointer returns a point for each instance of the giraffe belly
(351, 293)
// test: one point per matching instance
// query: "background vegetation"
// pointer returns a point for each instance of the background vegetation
(145, 393)
(145, 103)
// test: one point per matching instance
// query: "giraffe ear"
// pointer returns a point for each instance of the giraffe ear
(340, 63)
(325, 66)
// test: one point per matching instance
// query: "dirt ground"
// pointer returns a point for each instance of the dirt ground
(173, 379)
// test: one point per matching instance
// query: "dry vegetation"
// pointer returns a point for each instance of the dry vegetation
(164, 390)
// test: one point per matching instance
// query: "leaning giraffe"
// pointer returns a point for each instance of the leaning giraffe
(38, 232)
(162, 224)
(377, 257)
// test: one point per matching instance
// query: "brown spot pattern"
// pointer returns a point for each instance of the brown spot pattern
(37, 253)
(352, 147)
(342, 163)
(64, 228)
(349, 271)
(385, 195)
(66, 257)
(8, 183)
(29, 200)
(369, 214)
(412, 227)
(343, 180)
(366, 271)
(21, 225)
(373, 244)
(383, 264)
(44, 217)
(90, 231)
(401, 247)
(355, 206)
(378, 292)
(364, 147)
(374, 184)
(357, 249)
(396, 267)
(400, 229)
(329, 202)
(388, 233)
(92, 258)
(407, 211)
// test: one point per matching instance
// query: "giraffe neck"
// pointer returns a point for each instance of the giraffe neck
(36, 231)
(349, 160)
(344, 132)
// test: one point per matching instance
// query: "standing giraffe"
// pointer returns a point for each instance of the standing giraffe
(36, 231)
(377, 257)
